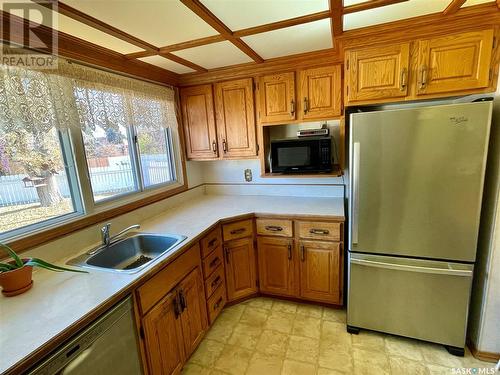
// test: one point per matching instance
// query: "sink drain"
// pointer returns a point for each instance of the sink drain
(138, 262)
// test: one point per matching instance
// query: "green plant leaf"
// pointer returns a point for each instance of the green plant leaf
(41, 263)
(7, 266)
(13, 255)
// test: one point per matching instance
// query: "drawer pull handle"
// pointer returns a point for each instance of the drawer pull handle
(177, 311)
(274, 228)
(227, 255)
(214, 147)
(319, 231)
(214, 262)
(217, 304)
(292, 107)
(238, 231)
(211, 242)
(302, 253)
(182, 300)
(216, 281)
(289, 251)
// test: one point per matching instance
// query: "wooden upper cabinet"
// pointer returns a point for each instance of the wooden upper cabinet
(277, 98)
(320, 271)
(320, 93)
(240, 268)
(377, 73)
(199, 122)
(163, 337)
(454, 63)
(276, 265)
(235, 116)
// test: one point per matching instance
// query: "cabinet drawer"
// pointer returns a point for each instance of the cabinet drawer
(319, 230)
(237, 230)
(216, 303)
(210, 242)
(211, 262)
(274, 227)
(214, 281)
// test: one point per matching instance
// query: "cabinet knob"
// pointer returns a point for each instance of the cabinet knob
(292, 107)
(404, 79)
(224, 145)
(214, 147)
(423, 77)
(306, 105)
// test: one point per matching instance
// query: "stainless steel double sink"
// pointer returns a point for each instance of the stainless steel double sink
(128, 254)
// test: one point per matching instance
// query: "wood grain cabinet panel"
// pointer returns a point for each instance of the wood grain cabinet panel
(240, 268)
(277, 98)
(193, 315)
(377, 73)
(276, 265)
(199, 122)
(320, 271)
(454, 63)
(320, 93)
(163, 337)
(235, 116)
(238, 229)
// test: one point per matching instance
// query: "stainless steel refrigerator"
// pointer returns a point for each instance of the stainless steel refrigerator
(416, 181)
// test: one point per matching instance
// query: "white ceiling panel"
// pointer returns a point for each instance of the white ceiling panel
(248, 13)
(159, 22)
(469, 3)
(167, 64)
(394, 12)
(214, 55)
(292, 40)
(353, 2)
(77, 29)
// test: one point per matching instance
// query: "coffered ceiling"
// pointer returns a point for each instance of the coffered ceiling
(185, 36)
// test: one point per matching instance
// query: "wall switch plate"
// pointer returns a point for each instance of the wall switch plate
(248, 175)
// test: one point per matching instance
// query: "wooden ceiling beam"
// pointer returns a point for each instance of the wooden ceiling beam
(182, 61)
(96, 24)
(453, 7)
(282, 24)
(193, 43)
(201, 11)
(370, 5)
(336, 18)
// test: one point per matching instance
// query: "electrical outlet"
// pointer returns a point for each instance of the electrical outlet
(248, 175)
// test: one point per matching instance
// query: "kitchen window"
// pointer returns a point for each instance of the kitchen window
(77, 141)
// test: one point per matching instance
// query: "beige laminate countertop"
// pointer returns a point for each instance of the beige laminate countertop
(60, 301)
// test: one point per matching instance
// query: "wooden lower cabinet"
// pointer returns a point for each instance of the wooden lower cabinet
(193, 315)
(163, 337)
(276, 265)
(174, 327)
(240, 268)
(321, 271)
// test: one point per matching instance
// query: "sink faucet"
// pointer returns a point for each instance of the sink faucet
(106, 239)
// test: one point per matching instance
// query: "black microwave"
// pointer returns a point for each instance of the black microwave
(296, 155)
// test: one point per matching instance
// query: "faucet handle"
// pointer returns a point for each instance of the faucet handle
(106, 228)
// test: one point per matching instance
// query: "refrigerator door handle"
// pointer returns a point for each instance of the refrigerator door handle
(408, 268)
(355, 192)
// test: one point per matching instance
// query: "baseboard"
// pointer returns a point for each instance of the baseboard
(483, 356)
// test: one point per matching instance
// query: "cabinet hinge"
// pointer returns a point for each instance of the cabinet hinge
(141, 332)
(258, 147)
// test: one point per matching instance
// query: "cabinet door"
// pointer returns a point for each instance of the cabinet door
(277, 98)
(320, 271)
(235, 116)
(276, 265)
(377, 73)
(199, 122)
(454, 62)
(320, 93)
(193, 310)
(240, 268)
(163, 337)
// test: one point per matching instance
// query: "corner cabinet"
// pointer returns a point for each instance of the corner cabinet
(319, 95)
(235, 116)
(220, 128)
(457, 64)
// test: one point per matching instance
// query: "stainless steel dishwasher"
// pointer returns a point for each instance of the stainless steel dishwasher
(108, 346)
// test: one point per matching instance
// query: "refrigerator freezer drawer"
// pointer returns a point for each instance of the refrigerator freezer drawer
(427, 300)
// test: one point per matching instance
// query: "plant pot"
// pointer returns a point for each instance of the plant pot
(16, 281)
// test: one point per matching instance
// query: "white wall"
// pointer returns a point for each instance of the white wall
(484, 322)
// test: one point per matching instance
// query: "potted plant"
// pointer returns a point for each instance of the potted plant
(15, 276)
